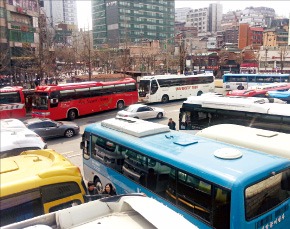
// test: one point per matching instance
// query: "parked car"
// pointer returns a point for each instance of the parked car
(283, 95)
(48, 128)
(141, 111)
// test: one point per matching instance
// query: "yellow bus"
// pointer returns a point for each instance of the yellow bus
(37, 182)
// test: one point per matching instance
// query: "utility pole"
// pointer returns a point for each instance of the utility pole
(90, 57)
(266, 58)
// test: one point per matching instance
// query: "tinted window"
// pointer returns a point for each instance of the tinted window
(35, 125)
(59, 191)
(82, 93)
(67, 95)
(9, 97)
(49, 124)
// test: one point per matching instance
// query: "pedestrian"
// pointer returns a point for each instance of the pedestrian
(92, 190)
(171, 124)
(109, 190)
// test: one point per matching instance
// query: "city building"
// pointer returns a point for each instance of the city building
(19, 35)
(215, 17)
(181, 14)
(207, 19)
(250, 36)
(257, 16)
(122, 22)
(274, 59)
(231, 35)
(60, 11)
(200, 19)
(230, 19)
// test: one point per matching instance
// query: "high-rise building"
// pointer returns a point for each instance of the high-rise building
(215, 17)
(60, 11)
(181, 14)
(200, 19)
(120, 22)
(207, 19)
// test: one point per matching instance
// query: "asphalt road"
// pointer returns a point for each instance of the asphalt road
(70, 148)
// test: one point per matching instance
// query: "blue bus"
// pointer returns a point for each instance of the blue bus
(283, 95)
(210, 183)
(243, 81)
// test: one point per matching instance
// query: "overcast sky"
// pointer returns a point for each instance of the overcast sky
(281, 7)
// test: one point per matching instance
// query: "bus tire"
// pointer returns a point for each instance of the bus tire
(240, 87)
(98, 184)
(120, 105)
(165, 99)
(69, 133)
(72, 114)
(160, 115)
(199, 93)
(136, 117)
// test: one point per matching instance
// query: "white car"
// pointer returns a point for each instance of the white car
(141, 111)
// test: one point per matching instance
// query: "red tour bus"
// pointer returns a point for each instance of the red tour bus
(75, 99)
(260, 91)
(12, 102)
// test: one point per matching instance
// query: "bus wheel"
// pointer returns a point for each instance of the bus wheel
(240, 87)
(199, 93)
(159, 115)
(98, 184)
(136, 117)
(72, 114)
(69, 133)
(120, 105)
(165, 99)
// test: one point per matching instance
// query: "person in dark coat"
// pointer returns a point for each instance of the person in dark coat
(92, 190)
(171, 124)
(109, 189)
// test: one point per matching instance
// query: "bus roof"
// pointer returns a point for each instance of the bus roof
(124, 211)
(11, 123)
(267, 141)
(256, 74)
(193, 153)
(11, 89)
(30, 169)
(68, 86)
(247, 104)
(173, 76)
(16, 138)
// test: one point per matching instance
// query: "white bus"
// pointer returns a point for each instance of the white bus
(271, 142)
(163, 88)
(11, 123)
(127, 211)
(199, 112)
(16, 140)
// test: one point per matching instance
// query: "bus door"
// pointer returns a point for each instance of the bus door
(153, 91)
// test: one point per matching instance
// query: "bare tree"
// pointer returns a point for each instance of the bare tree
(4, 58)
(283, 52)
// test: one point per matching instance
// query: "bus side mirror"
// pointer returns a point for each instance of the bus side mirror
(82, 145)
(53, 101)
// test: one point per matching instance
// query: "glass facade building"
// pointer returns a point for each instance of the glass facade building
(119, 22)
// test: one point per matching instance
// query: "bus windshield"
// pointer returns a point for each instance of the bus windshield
(144, 87)
(10, 97)
(267, 194)
(40, 101)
